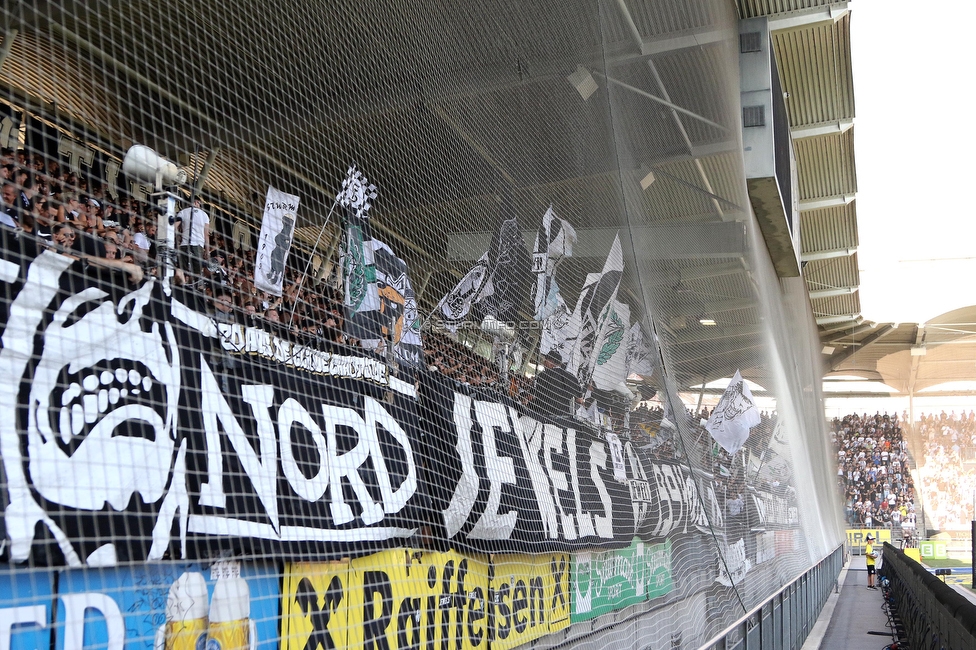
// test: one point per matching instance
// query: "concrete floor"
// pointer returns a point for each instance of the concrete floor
(856, 611)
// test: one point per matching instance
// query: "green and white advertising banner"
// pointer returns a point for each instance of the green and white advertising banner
(604, 581)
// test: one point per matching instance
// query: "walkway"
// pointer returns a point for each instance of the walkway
(849, 616)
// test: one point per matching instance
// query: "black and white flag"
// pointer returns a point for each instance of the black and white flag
(506, 286)
(453, 309)
(592, 307)
(495, 285)
(277, 230)
(641, 352)
(553, 242)
(734, 416)
(398, 306)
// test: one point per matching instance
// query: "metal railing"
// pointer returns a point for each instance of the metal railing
(934, 614)
(784, 620)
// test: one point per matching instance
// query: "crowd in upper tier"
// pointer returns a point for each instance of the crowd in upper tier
(873, 471)
(45, 204)
(947, 485)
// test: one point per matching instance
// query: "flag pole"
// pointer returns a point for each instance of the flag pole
(301, 280)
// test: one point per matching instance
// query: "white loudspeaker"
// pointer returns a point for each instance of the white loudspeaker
(145, 165)
(494, 327)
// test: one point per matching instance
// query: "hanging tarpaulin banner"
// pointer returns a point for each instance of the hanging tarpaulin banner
(277, 230)
(170, 434)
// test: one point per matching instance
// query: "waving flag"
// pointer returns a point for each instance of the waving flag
(734, 416)
(553, 242)
(398, 306)
(609, 358)
(599, 290)
(640, 355)
(506, 287)
(454, 308)
(496, 285)
(277, 229)
(360, 294)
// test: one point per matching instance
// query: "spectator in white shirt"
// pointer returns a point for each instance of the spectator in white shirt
(193, 224)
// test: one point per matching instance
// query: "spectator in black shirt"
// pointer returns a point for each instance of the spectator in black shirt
(557, 391)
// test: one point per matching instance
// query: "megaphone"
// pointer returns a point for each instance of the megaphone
(145, 165)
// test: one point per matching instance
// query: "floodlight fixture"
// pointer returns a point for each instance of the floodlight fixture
(584, 82)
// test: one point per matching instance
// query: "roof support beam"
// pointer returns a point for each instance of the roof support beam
(833, 127)
(841, 357)
(707, 309)
(639, 40)
(919, 340)
(822, 202)
(840, 318)
(675, 42)
(833, 293)
(701, 335)
(829, 254)
(838, 336)
(824, 14)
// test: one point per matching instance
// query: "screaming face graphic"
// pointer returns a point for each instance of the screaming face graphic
(103, 402)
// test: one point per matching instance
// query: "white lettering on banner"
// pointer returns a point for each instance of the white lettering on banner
(20, 616)
(547, 441)
(534, 435)
(680, 503)
(640, 489)
(466, 490)
(598, 461)
(75, 606)
(554, 443)
(765, 546)
(309, 488)
(8, 133)
(260, 466)
(776, 510)
(500, 470)
(112, 169)
(733, 565)
(249, 340)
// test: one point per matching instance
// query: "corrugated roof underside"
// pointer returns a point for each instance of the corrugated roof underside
(825, 165)
(755, 8)
(815, 69)
(829, 229)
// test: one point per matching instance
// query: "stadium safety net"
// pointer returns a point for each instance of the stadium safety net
(386, 324)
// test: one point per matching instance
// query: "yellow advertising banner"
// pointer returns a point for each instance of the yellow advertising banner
(856, 542)
(314, 606)
(403, 599)
(528, 597)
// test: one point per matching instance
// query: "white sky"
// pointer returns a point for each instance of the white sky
(915, 145)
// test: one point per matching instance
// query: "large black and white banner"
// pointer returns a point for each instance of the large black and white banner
(277, 230)
(508, 482)
(132, 428)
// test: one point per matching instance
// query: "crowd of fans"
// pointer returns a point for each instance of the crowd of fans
(947, 487)
(873, 471)
(47, 205)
